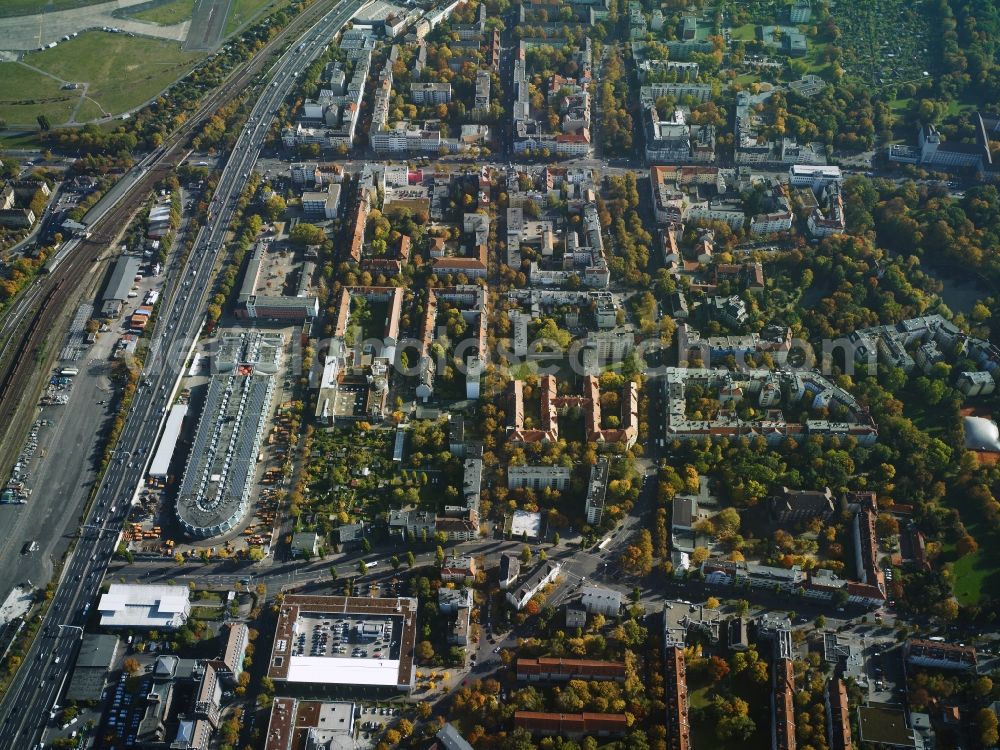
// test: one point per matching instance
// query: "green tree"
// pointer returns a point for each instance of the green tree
(425, 651)
(303, 234)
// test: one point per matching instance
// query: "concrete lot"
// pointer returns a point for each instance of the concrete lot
(31, 32)
(208, 25)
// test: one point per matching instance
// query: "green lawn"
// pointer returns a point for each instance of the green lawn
(167, 14)
(699, 698)
(25, 94)
(10, 8)
(88, 111)
(747, 32)
(244, 11)
(899, 106)
(978, 573)
(123, 71)
(21, 140)
(970, 575)
(745, 79)
(207, 613)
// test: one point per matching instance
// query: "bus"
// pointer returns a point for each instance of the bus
(69, 372)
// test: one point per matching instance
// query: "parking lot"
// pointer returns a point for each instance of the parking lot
(347, 637)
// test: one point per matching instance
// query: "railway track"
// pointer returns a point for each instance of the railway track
(24, 348)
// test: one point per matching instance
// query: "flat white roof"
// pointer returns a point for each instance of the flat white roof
(814, 169)
(343, 671)
(140, 605)
(525, 522)
(168, 442)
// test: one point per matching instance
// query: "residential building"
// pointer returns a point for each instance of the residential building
(976, 383)
(683, 621)
(230, 666)
(597, 489)
(838, 721)
(598, 600)
(539, 477)
(547, 669)
(350, 536)
(510, 569)
(883, 726)
(551, 404)
(814, 176)
(458, 568)
(800, 11)
(543, 575)
(571, 725)
(323, 205)
(463, 527)
(794, 506)
(783, 705)
(699, 92)
(481, 104)
(472, 483)
(675, 683)
(413, 524)
(257, 301)
(865, 539)
(936, 153)
(450, 600)
(430, 93)
(684, 513)
(458, 633)
(450, 738)
(940, 655)
(305, 544)
(298, 723)
(17, 218)
(828, 216)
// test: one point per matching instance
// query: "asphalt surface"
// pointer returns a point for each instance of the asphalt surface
(208, 25)
(34, 690)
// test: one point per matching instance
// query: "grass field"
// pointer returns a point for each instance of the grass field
(21, 140)
(978, 573)
(747, 32)
(167, 14)
(243, 11)
(10, 8)
(123, 71)
(26, 94)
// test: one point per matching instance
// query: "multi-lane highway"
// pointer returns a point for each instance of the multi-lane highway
(24, 711)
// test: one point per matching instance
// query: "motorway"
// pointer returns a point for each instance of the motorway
(35, 688)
